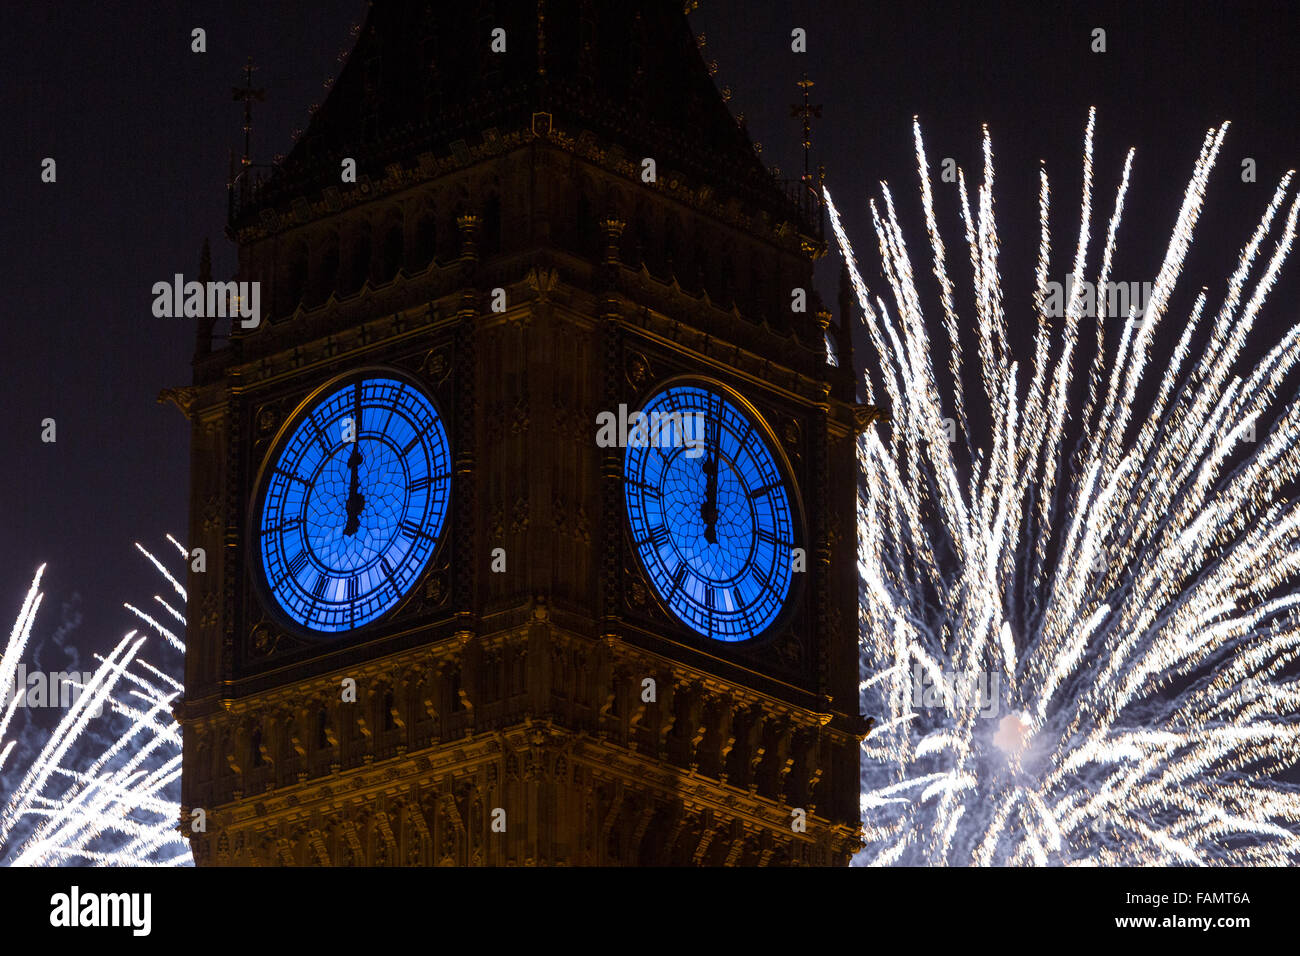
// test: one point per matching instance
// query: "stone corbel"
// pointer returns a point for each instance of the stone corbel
(864, 416)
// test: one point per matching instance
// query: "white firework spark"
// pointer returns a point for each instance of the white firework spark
(1126, 586)
(83, 803)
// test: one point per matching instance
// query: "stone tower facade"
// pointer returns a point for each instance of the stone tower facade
(530, 701)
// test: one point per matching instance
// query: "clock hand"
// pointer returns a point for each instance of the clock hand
(356, 500)
(709, 507)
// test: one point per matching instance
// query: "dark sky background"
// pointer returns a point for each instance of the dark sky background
(141, 129)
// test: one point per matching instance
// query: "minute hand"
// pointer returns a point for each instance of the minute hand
(709, 507)
(356, 500)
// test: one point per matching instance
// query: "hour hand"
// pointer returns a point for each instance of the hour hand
(709, 507)
(356, 500)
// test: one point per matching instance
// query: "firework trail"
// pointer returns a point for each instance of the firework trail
(81, 803)
(1123, 589)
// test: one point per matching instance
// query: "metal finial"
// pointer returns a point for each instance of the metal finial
(541, 37)
(807, 112)
(248, 94)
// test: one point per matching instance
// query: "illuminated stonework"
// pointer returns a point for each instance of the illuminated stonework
(527, 698)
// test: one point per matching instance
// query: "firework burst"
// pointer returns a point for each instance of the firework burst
(99, 790)
(1078, 640)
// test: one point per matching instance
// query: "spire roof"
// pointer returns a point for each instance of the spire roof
(423, 75)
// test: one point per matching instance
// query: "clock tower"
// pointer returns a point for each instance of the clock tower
(529, 504)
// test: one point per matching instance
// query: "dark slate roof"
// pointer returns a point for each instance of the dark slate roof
(422, 77)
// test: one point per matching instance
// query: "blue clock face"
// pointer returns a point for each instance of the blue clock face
(354, 503)
(710, 515)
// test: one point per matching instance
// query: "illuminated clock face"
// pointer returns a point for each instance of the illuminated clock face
(709, 512)
(353, 503)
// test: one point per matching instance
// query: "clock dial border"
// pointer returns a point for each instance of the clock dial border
(266, 600)
(790, 608)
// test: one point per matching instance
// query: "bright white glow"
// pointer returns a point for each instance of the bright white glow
(1110, 550)
(89, 801)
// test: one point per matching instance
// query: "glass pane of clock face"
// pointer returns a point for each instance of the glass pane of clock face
(710, 515)
(351, 515)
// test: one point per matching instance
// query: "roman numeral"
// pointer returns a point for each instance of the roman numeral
(298, 563)
(353, 589)
(419, 484)
(680, 577)
(659, 536)
(411, 444)
(322, 581)
(765, 490)
(320, 436)
(414, 530)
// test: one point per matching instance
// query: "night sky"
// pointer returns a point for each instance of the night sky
(142, 128)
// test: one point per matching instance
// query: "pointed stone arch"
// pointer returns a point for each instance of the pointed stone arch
(356, 250)
(423, 248)
(324, 269)
(390, 245)
(291, 282)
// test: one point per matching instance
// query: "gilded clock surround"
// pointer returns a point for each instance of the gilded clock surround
(270, 643)
(524, 690)
(642, 595)
(257, 571)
